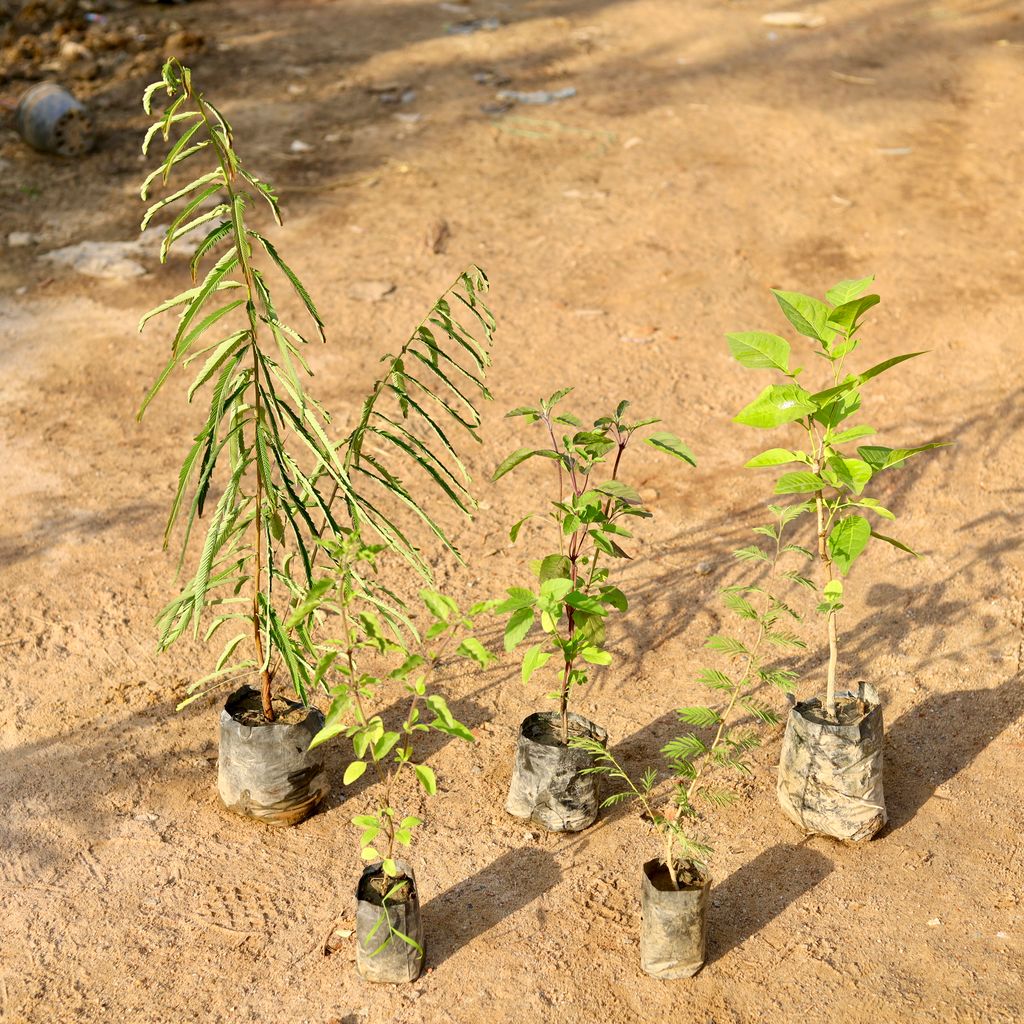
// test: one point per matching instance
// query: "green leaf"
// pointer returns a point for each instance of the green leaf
(519, 597)
(440, 606)
(752, 553)
(517, 627)
(852, 434)
(878, 457)
(776, 457)
(474, 650)
(427, 779)
(554, 567)
(847, 540)
(701, 717)
(852, 472)
(888, 364)
(758, 350)
(833, 590)
(807, 314)
(534, 659)
(584, 603)
(614, 597)
(520, 456)
(776, 405)
(846, 316)
(623, 492)
(595, 656)
(666, 442)
(353, 772)
(896, 544)
(726, 644)
(799, 483)
(847, 290)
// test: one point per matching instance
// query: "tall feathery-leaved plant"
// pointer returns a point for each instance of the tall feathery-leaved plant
(284, 474)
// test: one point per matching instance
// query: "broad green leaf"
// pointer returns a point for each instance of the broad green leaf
(615, 597)
(807, 314)
(776, 457)
(623, 492)
(666, 442)
(585, 603)
(595, 656)
(853, 472)
(353, 772)
(878, 457)
(520, 456)
(759, 350)
(776, 405)
(799, 483)
(519, 597)
(833, 590)
(852, 434)
(472, 648)
(554, 590)
(847, 290)
(427, 779)
(535, 658)
(518, 626)
(440, 606)
(847, 540)
(554, 567)
(831, 413)
(846, 316)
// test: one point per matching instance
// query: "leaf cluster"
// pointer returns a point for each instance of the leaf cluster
(830, 467)
(590, 520)
(370, 648)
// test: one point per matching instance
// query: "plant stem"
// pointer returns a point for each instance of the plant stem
(833, 639)
(242, 251)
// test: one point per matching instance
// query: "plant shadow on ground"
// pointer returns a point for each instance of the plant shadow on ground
(936, 740)
(54, 529)
(486, 899)
(759, 891)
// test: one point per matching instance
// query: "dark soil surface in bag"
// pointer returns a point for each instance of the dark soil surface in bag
(248, 710)
(849, 711)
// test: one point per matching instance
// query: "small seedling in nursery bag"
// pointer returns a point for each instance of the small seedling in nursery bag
(264, 468)
(572, 598)
(378, 652)
(830, 773)
(700, 763)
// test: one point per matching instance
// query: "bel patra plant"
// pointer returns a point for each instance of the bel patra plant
(830, 773)
(573, 595)
(699, 763)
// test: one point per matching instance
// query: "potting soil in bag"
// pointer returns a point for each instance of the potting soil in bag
(267, 771)
(547, 786)
(383, 917)
(830, 773)
(674, 923)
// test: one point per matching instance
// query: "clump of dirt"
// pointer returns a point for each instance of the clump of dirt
(86, 45)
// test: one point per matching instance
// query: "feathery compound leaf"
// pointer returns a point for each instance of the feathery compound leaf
(423, 413)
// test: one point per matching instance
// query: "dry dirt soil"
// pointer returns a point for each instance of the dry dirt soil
(705, 158)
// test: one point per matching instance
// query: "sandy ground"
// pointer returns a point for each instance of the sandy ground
(704, 159)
